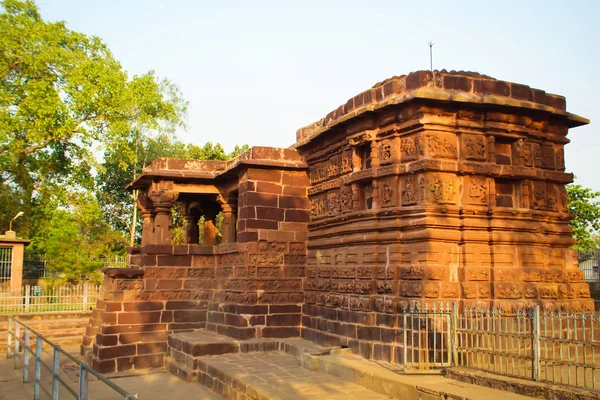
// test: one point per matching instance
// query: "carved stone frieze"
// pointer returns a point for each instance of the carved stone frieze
(442, 188)
(333, 203)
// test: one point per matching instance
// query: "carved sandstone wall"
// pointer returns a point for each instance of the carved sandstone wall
(436, 187)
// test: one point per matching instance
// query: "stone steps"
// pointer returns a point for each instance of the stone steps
(390, 380)
(63, 331)
(274, 375)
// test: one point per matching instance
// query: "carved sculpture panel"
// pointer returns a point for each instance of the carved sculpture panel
(474, 147)
(388, 190)
(333, 203)
(346, 199)
(441, 188)
(318, 206)
(386, 151)
(477, 192)
(410, 147)
(410, 190)
(441, 144)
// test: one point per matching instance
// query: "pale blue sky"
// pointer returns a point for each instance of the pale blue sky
(256, 71)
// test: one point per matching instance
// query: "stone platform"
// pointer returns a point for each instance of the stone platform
(298, 369)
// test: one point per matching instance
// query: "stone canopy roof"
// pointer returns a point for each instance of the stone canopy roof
(442, 86)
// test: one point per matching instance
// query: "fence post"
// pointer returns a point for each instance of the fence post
(27, 297)
(453, 323)
(83, 383)
(85, 296)
(26, 357)
(17, 345)
(9, 337)
(535, 346)
(38, 367)
(55, 372)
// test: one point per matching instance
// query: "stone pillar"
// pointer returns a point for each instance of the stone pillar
(229, 218)
(192, 233)
(16, 268)
(146, 212)
(163, 197)
(210, 230)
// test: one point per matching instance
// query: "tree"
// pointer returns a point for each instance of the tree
(76, 239)
(584, 204)
(62, 94)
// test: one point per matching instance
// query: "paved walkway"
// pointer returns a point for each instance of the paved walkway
(157, 386)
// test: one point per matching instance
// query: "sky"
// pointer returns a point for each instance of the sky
(256, 71)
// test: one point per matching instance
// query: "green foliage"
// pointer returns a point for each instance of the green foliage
(584, 204)
(76, 239)
(61, 94)
(64, 100)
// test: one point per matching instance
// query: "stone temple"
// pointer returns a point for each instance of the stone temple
(430, 187)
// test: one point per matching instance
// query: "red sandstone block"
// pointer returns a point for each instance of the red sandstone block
(247, 212)
(257, 320)
(294, 191)
(116, 351)
(109, 318)
(139, 317)
(280, 332)
(235, 320)
(104, 366)
(189, 316)
(144, 306)
(157, 249)
(178, 326)
(555, 101)
(109, 330)
(174, 261)
(294, 202)
(124, 363)
(246, 187)
(269, 213)
(244, 237)
(521, 92)
(292, 227)
(166, 316)
(452, 82)
(151, 348)
(107, 340)
(149, 361)
(251, 309)
(284, 320)
(169, 284)
(284, 309)
(261, 199)
(185, 305)
(268, 187)
(111, 306)
(418, 79)
(261, 224)
(295, 178)
(144, 337)
(382, 352)
(368, 333)
(490, 86)
(216, 318)
(239, 333)
(268, 175)
(297, 216)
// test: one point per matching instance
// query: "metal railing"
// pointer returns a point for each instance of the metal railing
(5, 264)
(23, 341)
(589, 263)
(40, 299)
(557, 347)
(427, 335)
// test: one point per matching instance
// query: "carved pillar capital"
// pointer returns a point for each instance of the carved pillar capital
(163, 196)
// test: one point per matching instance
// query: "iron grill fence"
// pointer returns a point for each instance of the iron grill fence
(427, 335)
(50, 299)
(47, 363)
(5, 265)
(589, 263)
(34, 266)
(560, 347)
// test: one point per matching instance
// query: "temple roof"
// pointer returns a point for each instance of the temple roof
(442, 86)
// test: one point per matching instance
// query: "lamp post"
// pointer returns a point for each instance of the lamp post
(19, 214)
